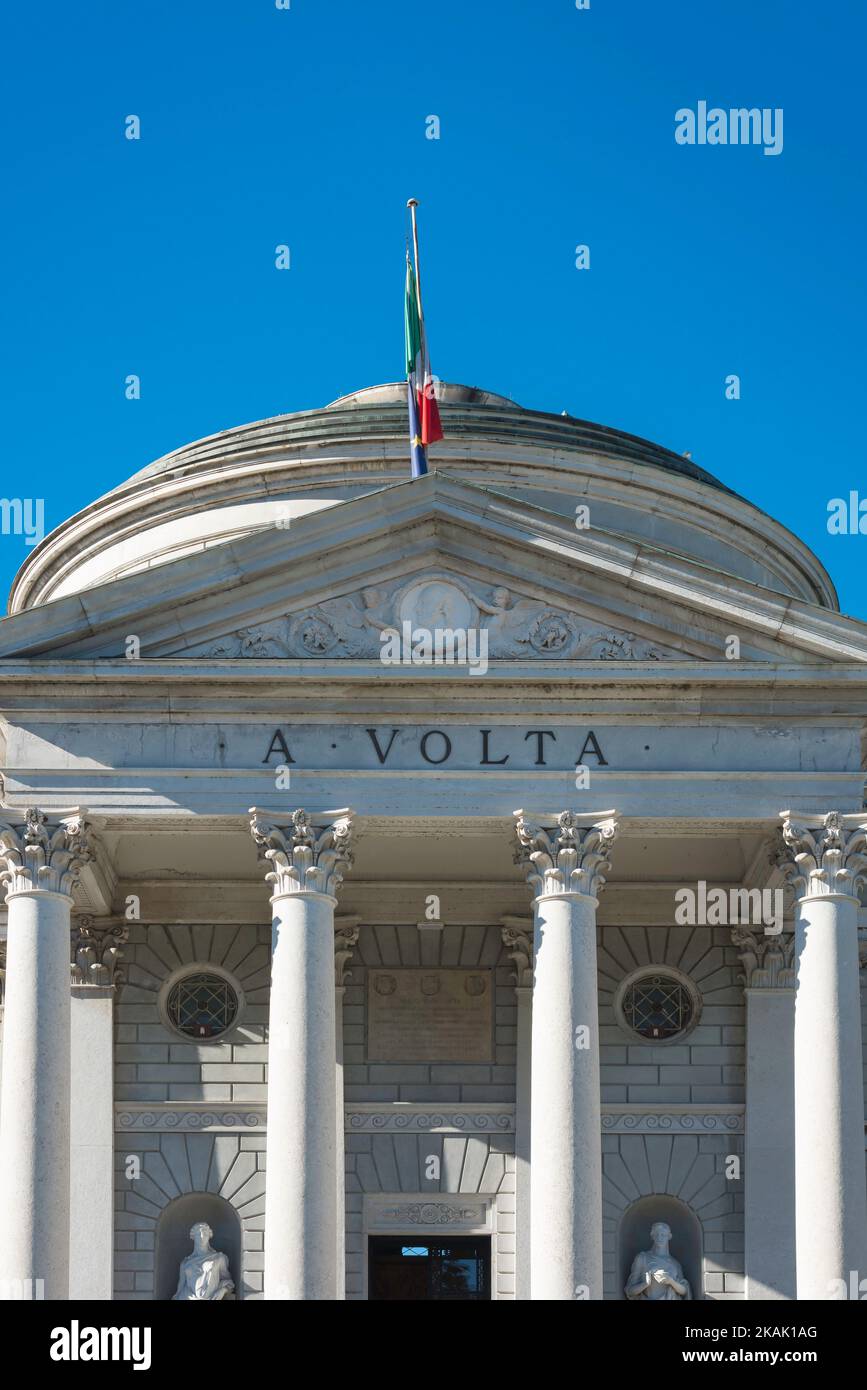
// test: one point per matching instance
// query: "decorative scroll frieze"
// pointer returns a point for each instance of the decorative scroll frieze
(827, 854)
(169, 1116)
(173, 1116)
(768, 961)
(97, 948)
(673, 1119)
(566, 853)
(369, 1118)
(453, 1119)
(42, 854)
(307, 853)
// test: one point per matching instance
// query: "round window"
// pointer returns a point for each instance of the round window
(658, 1005)
(202, 1005)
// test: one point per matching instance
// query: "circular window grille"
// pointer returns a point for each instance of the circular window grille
(657, 1007)
(202, 1006)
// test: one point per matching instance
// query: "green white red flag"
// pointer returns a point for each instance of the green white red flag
(424, 417)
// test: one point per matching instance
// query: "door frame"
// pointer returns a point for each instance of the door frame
(448, 1214)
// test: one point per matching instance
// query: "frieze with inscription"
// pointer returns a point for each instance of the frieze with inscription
(397, 746)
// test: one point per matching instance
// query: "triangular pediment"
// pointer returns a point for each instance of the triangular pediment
(434, 553)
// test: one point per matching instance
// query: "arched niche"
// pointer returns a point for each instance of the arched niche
(686, 1242)
(174, 1243)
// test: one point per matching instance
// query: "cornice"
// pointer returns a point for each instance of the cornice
(282, 690)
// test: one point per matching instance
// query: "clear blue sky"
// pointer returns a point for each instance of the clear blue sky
(262, 126)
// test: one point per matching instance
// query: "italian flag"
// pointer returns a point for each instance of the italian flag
(424, 416)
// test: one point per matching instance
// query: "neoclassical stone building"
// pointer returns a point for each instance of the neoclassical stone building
(530, 973)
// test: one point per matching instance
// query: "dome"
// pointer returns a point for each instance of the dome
(276, 470)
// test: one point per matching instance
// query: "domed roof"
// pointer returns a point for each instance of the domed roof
(274, 471)
(379, 412)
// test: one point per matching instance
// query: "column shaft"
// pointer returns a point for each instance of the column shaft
(565, 859)
(34, 1098)
(825, 858)
(306, 855)
(523, 1130)
(566, 1183)
(301, 1193)
(340, 1143)
(831, 1208)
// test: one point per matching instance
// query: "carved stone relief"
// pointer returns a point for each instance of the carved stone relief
(516, 627)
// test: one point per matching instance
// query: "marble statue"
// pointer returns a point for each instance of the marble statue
(204, 1275)
(656, 1275)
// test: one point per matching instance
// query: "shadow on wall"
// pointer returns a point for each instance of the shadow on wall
(174, 1243)
(686, 1243)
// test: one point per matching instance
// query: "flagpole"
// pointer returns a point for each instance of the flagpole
(412, 204)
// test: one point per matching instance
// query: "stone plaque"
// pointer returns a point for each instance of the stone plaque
(430, 1016)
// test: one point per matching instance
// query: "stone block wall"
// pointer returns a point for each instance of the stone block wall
(170, 1165)
(431, 1083)
(154, 1063)
(470, 1165)
(707, 1066)
(692, 1168)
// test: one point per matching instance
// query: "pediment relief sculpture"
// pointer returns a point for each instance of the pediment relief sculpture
(516, 627)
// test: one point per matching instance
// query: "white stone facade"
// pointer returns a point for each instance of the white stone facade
(432, 925)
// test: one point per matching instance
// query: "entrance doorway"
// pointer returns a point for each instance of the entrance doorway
(418, 1267)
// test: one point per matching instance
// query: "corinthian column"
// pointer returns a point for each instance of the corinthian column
(39, 863)
(305, 856)
(825, 858)
(565, 859)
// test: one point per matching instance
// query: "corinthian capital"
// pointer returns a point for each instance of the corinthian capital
(42, 855)
(97, 947)
(516, 935)
(820, 855)
(346, 933)
(566, 853)
(768, 961)
(307, 853)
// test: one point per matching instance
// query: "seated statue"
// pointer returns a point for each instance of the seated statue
(204, 1274)
(656, 1275)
